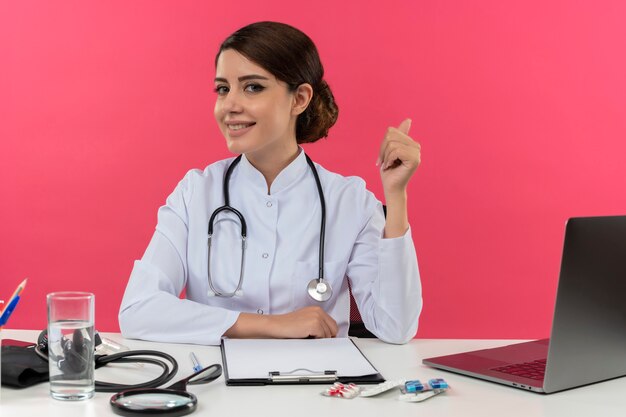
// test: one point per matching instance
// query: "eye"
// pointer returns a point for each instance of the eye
(221, 90)
(254, 88)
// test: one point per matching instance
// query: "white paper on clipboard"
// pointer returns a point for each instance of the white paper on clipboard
(255, 358)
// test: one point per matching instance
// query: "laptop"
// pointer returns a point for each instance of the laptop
(588, 339)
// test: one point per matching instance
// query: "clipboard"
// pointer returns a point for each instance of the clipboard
(295, 361)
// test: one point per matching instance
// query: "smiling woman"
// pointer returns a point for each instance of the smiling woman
(286, 54)
(269, 277)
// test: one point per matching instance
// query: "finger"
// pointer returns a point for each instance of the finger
(390, 137)
(332, 325)
(405, 126)
(381, 152)
(402, 154)
(407, 156)
(399, 134)
(319, 328)
(391, 154)
(325, 330)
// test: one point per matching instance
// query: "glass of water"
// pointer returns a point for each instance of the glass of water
(71, 345)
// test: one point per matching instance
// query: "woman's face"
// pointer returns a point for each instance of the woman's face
(254, 110)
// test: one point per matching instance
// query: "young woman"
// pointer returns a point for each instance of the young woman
(264, 244)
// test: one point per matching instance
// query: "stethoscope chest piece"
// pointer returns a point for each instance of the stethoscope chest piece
(319, 289)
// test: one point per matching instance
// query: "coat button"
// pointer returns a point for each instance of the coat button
(259, 311)
(265, 255)
(269, 204)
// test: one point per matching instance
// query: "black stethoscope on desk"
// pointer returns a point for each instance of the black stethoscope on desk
(135, 399)
(318, 288)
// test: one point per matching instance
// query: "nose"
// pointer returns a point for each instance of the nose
(230, 103)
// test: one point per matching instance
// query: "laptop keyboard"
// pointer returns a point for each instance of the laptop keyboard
(533, 370)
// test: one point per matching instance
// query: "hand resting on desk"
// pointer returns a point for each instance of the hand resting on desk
(309, 321)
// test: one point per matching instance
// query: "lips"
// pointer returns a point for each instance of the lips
(238, 125)
(238, 128)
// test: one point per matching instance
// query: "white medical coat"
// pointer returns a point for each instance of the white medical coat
(280, 259)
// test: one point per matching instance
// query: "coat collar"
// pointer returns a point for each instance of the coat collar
(288, 176)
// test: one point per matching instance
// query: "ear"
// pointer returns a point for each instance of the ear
(301, 98)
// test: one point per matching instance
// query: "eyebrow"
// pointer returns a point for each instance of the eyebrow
(243, 78)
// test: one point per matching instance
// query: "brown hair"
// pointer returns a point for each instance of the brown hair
(291, 56)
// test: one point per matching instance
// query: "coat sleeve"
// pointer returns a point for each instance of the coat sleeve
(152, 308)
(385, 281)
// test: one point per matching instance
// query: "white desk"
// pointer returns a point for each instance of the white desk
(467, 397)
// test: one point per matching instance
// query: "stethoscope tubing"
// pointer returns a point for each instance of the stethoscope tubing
(228, 208)
(323, 219)
(123, 357)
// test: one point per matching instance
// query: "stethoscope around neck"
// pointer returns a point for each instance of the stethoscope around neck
(318, 288)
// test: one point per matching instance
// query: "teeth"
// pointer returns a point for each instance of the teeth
(239, 126)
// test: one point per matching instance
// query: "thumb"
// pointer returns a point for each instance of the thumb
(405, 126)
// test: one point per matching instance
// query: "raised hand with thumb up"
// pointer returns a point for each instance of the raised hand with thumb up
(398, 158)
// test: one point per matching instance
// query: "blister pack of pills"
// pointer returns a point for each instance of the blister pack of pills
(380, 388)
(420, 396)
(340, 390)
(410, 390)
(416, 391)
(413, 386)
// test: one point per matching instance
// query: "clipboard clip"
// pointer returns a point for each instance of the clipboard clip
(303, 375)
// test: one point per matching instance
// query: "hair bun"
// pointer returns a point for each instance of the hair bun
(319, 117)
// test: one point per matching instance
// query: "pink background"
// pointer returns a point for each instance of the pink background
(519, 107)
